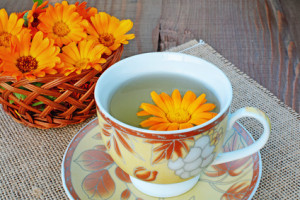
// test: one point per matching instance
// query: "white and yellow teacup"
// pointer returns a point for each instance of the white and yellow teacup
(169, 163)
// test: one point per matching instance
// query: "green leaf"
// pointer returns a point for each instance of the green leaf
(52, 98)
(39, 1)
(20, 96)
(37, 103)
(11, 101)
(42, 108)
(25, 19)
(2, 88)
(23, 88)
(38, 84)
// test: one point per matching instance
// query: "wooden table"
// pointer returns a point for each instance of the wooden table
(262, 37)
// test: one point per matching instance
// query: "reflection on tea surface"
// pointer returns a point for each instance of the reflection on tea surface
(126, 100)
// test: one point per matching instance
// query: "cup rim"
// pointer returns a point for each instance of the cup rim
(194, 128)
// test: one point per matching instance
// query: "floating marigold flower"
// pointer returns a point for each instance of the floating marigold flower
(30, 59)
(174, 113)
(9, 26)
(33, 14)
(62, 24)
(86, 13)
(81, 57)
(109, 31)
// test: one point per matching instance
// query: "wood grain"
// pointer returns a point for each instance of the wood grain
(261, 37)
(253, 35)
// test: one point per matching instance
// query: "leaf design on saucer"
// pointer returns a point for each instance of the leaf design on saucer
(122, 175)
(97, 136)
(236, 191)
(99, 185)
(233, 168)
(125, 194)
(93, 160)
(100, 147)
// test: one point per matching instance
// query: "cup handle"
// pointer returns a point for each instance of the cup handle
(257, 145)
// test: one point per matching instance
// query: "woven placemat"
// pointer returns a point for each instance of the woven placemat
(30, 159)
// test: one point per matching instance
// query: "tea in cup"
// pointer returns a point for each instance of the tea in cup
(168, 162)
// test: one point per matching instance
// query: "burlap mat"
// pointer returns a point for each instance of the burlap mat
(30, 159)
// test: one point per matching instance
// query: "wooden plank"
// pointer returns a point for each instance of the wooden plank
(144, 14)
(253, 35)
(291, 10)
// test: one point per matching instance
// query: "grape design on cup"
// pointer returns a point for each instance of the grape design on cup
(199, 157)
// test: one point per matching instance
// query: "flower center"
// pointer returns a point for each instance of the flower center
(179, 116)
(5, 39)
(26, 64)
(106, 39)
(35, 21)
(61, 29)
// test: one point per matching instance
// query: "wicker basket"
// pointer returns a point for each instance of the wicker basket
(72, 97)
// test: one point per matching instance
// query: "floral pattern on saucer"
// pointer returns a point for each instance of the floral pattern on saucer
(88, 172)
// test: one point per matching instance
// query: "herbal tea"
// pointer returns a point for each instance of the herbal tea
(126, 100)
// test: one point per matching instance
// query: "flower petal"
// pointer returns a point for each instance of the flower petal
(188, 98)
(176, 99)
(152, 121)
(152, 109)
(173, 127)
(206, 107)
(197, 121)
(204, 115)
(193, 106)
(148, 123)
(160, 127)
(185, 125)
(168, 101)
(142, 113)
(158, 101)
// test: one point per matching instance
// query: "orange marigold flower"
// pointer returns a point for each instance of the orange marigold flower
(109, 31)
(62, 24)
(174, 113)
(81, 57)
(86, 13)
(33, 14)
(30, 58)
(9, 26)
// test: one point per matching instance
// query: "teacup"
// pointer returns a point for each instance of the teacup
(169, 163)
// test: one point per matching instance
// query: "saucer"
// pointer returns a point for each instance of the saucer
(88, 172)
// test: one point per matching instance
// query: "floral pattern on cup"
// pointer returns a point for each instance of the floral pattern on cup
(117, 138)
(199, 157)
(164, 151)
(215, 134)
(167, 149)
(144, 174)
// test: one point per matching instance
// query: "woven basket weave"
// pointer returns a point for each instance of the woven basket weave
(72, 103)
